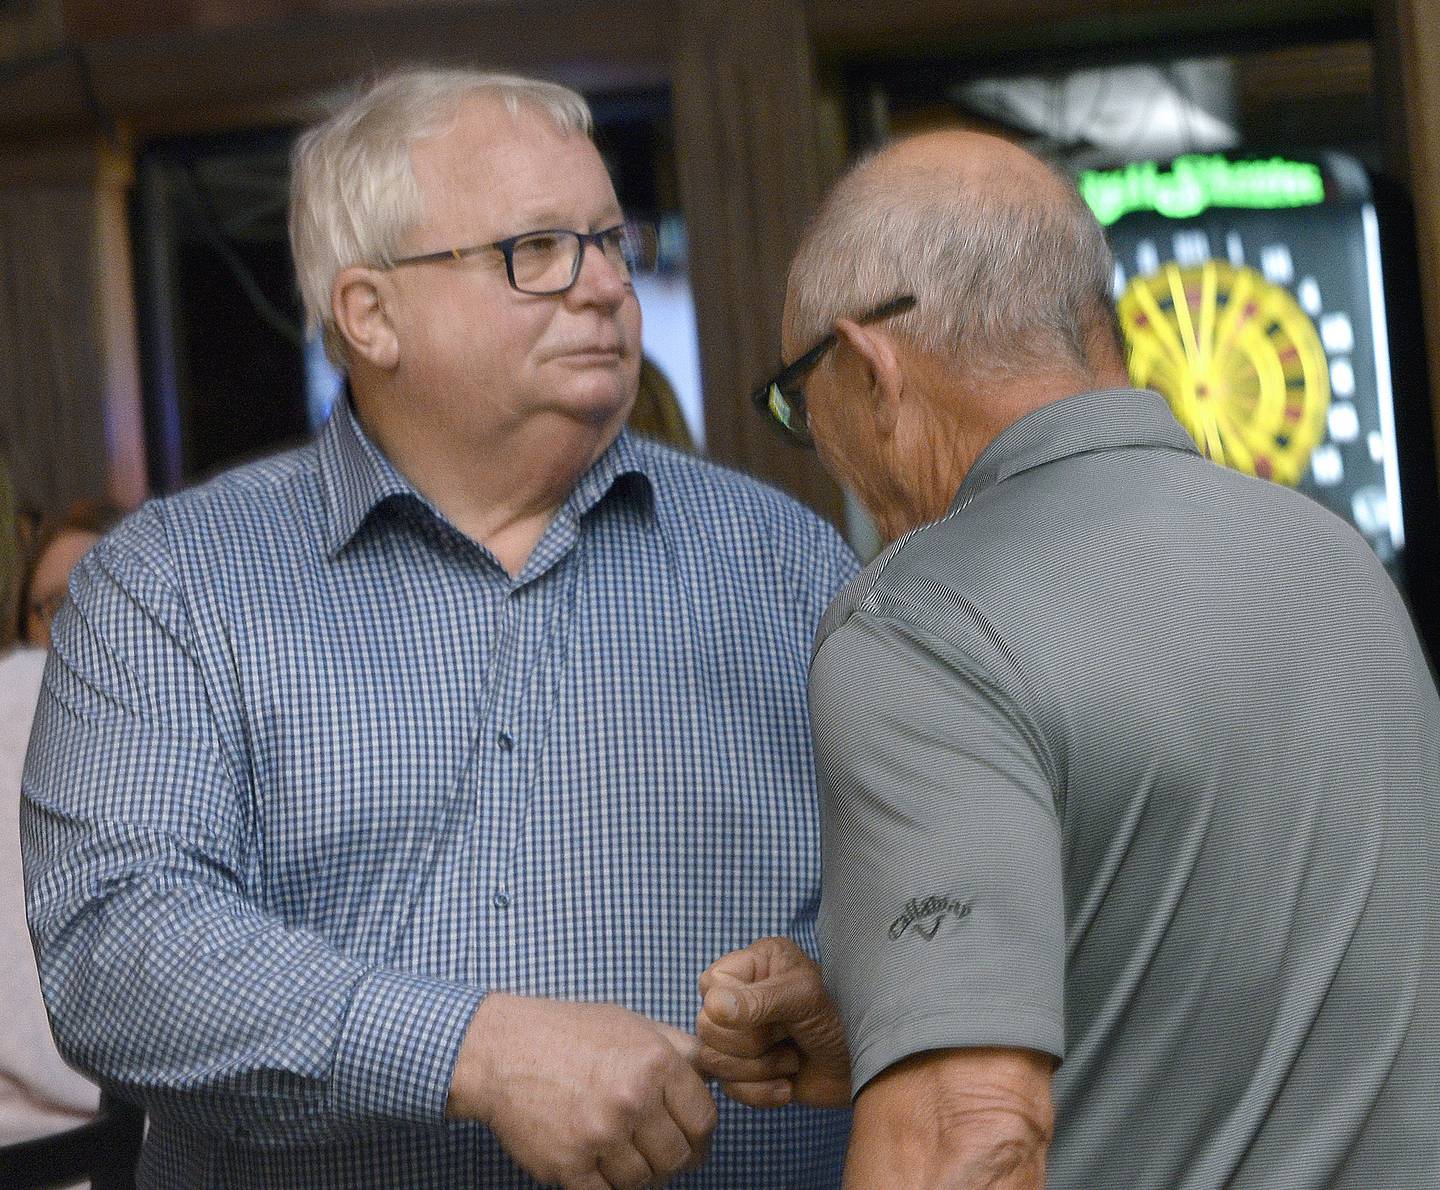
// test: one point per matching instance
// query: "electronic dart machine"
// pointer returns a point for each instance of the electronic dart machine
(1273, 302)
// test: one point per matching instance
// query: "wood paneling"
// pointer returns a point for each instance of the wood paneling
(1334, 72)
(69, 379)
(751, 172)
(29, 27)
(201, 77)
(1408, 68)
(905, 27)
(109, 20)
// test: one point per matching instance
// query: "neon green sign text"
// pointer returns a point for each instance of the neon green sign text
(1196, 183)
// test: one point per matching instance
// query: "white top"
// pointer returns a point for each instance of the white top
(39, 1094)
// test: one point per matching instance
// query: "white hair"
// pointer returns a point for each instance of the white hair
(1005, 279)
(353, 194)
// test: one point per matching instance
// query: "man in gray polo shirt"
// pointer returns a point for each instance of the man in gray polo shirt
(1131, 763)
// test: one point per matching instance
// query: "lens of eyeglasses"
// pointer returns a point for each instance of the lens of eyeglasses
(631, 248)
(789, 412)
(545, 262)
(548, 261)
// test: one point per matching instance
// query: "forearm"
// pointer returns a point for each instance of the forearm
(980, 1121)
(166, 982)
(974, 1154)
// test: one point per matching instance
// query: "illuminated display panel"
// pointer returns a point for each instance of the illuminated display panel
(1257, 307)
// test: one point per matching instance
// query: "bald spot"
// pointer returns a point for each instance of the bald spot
(1012, 226)
(973, 159)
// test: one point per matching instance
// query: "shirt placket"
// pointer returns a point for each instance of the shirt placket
(530, 652)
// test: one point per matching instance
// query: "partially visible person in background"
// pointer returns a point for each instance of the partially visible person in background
(39, 1093)
(656, 412)
(9, 557)
(58, 545)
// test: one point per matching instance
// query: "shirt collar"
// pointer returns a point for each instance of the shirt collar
(625, 467)
(357, 478)
(1106, 419)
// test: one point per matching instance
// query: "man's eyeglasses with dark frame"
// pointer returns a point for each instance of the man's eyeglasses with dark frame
(782, 398)
(546, 262)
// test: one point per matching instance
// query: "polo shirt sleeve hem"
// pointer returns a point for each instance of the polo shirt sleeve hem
(1001, 1026)
(399, 1044)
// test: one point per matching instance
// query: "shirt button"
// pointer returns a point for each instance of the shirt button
(501, 900)
(506, 741)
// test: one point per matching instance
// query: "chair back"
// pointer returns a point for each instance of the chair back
(106, 1150)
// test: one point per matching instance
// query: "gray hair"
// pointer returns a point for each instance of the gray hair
(353, 193)
(1005, 280)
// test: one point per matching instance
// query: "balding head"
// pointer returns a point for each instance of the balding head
(1010, 268)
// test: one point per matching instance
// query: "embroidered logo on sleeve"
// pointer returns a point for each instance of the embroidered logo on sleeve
(925, 915)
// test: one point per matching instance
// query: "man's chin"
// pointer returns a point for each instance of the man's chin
(603, 407)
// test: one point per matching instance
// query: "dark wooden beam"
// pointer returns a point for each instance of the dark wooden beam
(751, 172)
(990, 28)
(197, 77)
(1408, 71)
(69, 376)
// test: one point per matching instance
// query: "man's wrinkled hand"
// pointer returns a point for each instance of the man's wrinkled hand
(587, 1096)
(769, 1031)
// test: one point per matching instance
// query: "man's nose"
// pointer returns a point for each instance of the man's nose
(600, 282)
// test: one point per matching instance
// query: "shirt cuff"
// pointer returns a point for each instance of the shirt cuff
(398, 1047)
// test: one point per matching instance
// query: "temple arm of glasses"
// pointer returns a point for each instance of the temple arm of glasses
(443, 254)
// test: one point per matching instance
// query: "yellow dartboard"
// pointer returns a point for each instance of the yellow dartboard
(1239, 361)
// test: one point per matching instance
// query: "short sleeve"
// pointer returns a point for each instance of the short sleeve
(942, 910)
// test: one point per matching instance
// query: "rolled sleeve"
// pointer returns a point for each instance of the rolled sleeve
(942, 911)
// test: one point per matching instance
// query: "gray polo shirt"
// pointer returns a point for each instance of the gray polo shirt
(1135, 760)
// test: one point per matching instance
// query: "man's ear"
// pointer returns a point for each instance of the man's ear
(360, 304)
(880, 367)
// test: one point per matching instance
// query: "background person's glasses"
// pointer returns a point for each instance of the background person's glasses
(548, 261)
(782, 398)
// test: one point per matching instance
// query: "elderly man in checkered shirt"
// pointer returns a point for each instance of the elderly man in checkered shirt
(387, 798)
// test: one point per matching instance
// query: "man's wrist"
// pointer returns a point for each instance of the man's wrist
(829, 1090)
(473, 1081)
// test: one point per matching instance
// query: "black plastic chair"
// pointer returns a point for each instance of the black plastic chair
(106, 1150)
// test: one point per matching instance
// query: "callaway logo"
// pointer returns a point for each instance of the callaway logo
(924, 916)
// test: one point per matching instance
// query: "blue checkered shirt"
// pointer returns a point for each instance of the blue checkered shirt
(311, 773)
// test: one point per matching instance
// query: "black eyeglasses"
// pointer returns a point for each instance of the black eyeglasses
(782, 398)
(548, 261)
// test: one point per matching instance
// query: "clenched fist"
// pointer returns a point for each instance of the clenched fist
(769, 1031)
(589, 1096)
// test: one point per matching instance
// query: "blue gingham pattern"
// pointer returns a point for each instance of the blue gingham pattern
(311, 774)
